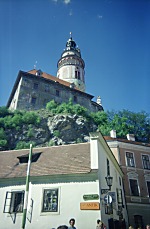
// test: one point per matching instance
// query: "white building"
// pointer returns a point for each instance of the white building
(65, 182)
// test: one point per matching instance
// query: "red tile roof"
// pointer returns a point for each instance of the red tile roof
(53, 78)
(66, 159)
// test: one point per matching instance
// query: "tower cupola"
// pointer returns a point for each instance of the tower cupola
(70, 66)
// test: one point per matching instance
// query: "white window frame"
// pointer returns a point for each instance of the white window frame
(142, 161)
(127, 160)
(147, 187)
(58, 202)
(10, 201)
(137, 186)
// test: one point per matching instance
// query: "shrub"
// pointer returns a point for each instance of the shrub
(24, 145)
(56, 133)
(31, 117)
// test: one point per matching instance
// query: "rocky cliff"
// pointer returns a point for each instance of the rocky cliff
(59, 129)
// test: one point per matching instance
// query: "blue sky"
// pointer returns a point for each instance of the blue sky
(113, 35)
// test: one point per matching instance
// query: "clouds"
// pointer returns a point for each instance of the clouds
(99, 16)
(66, 2)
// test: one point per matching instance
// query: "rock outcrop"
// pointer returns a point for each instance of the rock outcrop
(53, 130)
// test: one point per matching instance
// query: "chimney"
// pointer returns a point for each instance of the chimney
(113, 133)
(131, 137)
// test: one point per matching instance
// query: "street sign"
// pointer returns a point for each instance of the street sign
(91, 197)
(108, 199)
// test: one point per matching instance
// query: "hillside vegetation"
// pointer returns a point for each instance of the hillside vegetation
(67, 123)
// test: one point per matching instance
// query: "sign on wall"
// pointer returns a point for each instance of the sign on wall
(91, 197)
(89, 206)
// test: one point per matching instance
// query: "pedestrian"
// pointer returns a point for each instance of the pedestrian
(100, 225)
(72, 223)
(62, 227)
(147, 226)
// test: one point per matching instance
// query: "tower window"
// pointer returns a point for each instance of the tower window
(77, 75)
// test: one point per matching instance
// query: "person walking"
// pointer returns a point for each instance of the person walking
(100, 225)
(62, 227)
(72, 223)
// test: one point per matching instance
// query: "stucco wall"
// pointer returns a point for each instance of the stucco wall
(70, 196)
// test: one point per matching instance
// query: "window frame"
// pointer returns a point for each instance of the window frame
(9, 205)
(148, 187)
(33, 100)
(129, 163)
(57, 93)
(138, 188)
(58, 200)
(35, 86)
(146, 163)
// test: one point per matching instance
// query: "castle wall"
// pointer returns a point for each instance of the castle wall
(34, 92)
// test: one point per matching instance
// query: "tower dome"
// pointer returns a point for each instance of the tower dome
(70, 66)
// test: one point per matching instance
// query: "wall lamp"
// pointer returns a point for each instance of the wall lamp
(109, 181)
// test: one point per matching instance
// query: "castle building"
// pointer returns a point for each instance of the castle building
(34, 89)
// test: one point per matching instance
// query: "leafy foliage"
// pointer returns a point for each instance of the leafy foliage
(3, 140)
(66, 108)
(123, 122)
(24, 145)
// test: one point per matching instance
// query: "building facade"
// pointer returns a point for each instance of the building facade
(33, 89)
(65, 182)
(134, 159)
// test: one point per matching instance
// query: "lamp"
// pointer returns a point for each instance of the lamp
(109, 181)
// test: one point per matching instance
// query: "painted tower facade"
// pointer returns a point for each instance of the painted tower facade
(71, 65)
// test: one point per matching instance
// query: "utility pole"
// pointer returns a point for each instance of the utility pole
(27, 189)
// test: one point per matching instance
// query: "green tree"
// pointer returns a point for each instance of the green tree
(4, 111)
(3, 139)
(125, 122)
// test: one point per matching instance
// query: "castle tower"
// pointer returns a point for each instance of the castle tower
(71, 65)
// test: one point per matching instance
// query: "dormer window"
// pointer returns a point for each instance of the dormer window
(39, 72)
(25, 158)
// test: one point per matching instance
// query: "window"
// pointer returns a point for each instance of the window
(108, 168)
(148, 187)
(57, 93)
(36, 85)
(77, 74)
(146, 161)
(33, 100)
(119, 196)
(50, 200)
(14, 202)
(134, 187)
(25, 158)
(75, 99)
(47, 87)
(130, 159)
